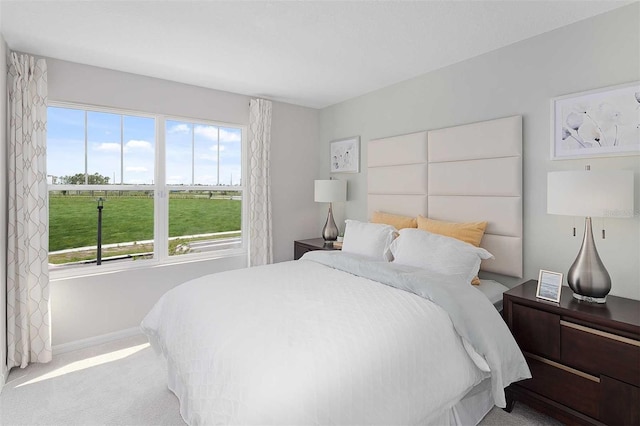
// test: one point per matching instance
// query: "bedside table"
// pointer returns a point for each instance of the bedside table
(584, 357)
(300, 247)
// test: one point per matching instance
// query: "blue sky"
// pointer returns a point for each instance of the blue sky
(66, 148)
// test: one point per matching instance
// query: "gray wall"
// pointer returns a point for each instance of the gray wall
(518, 79)
(90, 306)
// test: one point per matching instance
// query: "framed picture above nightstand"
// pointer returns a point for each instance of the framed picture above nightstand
(300, 247)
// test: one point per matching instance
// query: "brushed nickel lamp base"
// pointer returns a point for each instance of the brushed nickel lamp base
(587, 277)
(330, 230)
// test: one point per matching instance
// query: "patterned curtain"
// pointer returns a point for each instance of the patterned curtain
(28, 314)
(260, 238)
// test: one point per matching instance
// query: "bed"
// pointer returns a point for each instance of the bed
(347, 338)
(493, 292)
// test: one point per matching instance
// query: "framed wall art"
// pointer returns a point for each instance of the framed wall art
(598, 123)
(345, 155)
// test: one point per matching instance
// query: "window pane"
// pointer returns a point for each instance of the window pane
(230, 156)
(127, 227)
(139, 150)
(203, 221)
(90, 147)
(179, 152)
(205, 151)
(104, 148)
(65, 145)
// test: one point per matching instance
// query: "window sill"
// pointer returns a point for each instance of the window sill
(89, 271)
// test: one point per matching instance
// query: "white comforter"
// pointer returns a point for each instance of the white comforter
(302, 343)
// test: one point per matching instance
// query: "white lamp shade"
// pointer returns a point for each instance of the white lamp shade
(329, 191)
(590, 193)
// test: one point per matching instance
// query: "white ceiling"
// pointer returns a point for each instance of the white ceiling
(311, 53)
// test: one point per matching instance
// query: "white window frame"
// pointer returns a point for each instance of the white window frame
(161, 200)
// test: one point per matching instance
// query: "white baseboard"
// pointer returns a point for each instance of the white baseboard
(96, 340)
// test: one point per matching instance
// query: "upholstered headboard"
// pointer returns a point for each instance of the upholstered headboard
(461, 174)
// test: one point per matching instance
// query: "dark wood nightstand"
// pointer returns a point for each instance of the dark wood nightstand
(300, 247)
(584, 357)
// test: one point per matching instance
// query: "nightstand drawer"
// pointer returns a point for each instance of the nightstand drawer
(574, 389)
(598, 352)
(536, 331)
(620, 404)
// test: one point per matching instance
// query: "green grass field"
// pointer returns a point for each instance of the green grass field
(73, 218)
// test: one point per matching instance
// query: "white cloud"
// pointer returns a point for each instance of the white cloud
(227, 136)
(180, 128)
(138, 145)
(215, 148)
(136, 169)
(208, 132)
(132, 145)
(107, 147)
(211, 133)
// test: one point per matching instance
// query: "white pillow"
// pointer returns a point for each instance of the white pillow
(445, 255)
(368, 239)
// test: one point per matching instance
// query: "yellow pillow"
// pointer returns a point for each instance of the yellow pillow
(395, 220)
(470, 232)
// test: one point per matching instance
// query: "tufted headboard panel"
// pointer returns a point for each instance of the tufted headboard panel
(465, 173)
(398, 174)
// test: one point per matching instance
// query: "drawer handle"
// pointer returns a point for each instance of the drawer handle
(600, 333)
(563, 367)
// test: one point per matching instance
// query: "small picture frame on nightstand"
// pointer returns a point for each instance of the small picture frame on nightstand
(549, 285)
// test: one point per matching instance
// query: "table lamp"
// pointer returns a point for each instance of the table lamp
(330, 191)
(607, 194)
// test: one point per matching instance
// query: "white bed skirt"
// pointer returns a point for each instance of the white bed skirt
(470, 410)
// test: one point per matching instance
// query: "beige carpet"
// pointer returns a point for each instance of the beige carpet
(124, 383)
